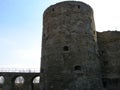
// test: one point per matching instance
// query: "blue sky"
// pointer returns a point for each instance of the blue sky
(21, 28)
(20, 33)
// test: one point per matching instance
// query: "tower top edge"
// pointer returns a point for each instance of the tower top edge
(68, 3)
(71, 2)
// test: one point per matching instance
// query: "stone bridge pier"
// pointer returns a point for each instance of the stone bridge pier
(19, 81)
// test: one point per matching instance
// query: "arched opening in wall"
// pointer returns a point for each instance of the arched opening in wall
(19, 81)
(2, 81)
(66, 48)
(36, 80)
(35, 83)
(104, 81)
(104, 84)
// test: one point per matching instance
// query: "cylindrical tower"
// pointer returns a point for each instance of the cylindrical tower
(69, 60)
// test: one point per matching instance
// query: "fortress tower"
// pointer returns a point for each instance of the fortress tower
(69, 48)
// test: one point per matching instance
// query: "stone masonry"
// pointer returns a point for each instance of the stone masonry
(7, 81)
(109, 56)
(74, 56)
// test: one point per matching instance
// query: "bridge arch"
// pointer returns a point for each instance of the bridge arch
(10, 78)
(19, 81)
(35, 81)
(2, 80)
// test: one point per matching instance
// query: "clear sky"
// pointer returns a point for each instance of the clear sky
(21, 28)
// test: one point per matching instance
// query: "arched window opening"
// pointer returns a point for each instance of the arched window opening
(2, 80)
(19, 81)
(65, 48)
(36, 80)
(77, 68)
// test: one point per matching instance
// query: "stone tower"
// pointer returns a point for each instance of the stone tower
(69, 48)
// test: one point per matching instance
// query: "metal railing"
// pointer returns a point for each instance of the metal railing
(21, 70)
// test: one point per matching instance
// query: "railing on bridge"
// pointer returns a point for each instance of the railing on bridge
(20, 70)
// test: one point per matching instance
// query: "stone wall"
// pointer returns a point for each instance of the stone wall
(109, 55)
(74, 57)
(69, 48)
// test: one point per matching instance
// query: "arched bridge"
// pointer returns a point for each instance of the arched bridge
(19, 80)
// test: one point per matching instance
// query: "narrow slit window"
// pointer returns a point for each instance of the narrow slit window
(53, 9)
(79, 6)
(104, 84)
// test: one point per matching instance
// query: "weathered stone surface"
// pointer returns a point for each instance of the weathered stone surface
(109, 55)
(69, 48)
(74, 57)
